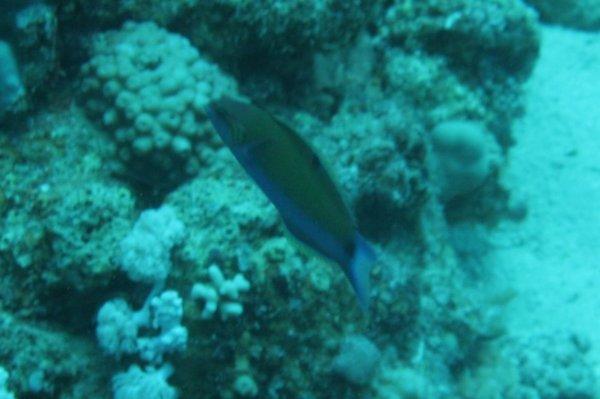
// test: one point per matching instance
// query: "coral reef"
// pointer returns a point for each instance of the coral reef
(118, 327)
(552, 365)
(4, 393)
(486, 47)
(245, 386)
(378, 156)
(464, 155)
(148, 88)
(218, 289)
(400, 381)
(106, 14)
(11, 86)
(269, 44)
(30, 29)
(46, 362)
(374, 86)
(247, 238)
(34, 39)
(357, 360)
(144, 253)
(485, 38)
(62, 217)
(578, 14)
(427, 82)
(150, 383)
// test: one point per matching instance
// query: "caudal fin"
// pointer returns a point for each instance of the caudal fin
(360, 269)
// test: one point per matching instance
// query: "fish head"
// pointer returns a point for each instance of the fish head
(231, 129)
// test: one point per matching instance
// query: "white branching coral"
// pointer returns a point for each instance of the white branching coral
(144, 254)
(221, 293)
(119, 326)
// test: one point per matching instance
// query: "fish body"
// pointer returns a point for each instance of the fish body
(294, 179)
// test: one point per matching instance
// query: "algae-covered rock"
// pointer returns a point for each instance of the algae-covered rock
(578, 14)
(11, 85)
(484, 39)
(429, 85)
(110, 14)
(545, 365)
(554, 365)
(267, 28)
(62, 215)
(462, 59)
(45, 362)
(380, 159)
(29, 56)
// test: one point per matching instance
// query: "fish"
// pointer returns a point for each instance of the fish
(293, 177)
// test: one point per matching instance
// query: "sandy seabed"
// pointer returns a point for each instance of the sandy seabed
(553, 257)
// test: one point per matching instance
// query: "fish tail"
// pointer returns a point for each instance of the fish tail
(360, 269)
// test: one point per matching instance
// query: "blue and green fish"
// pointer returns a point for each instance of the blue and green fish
(294, 179)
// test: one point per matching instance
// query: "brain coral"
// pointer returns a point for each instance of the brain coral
(148, 87)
